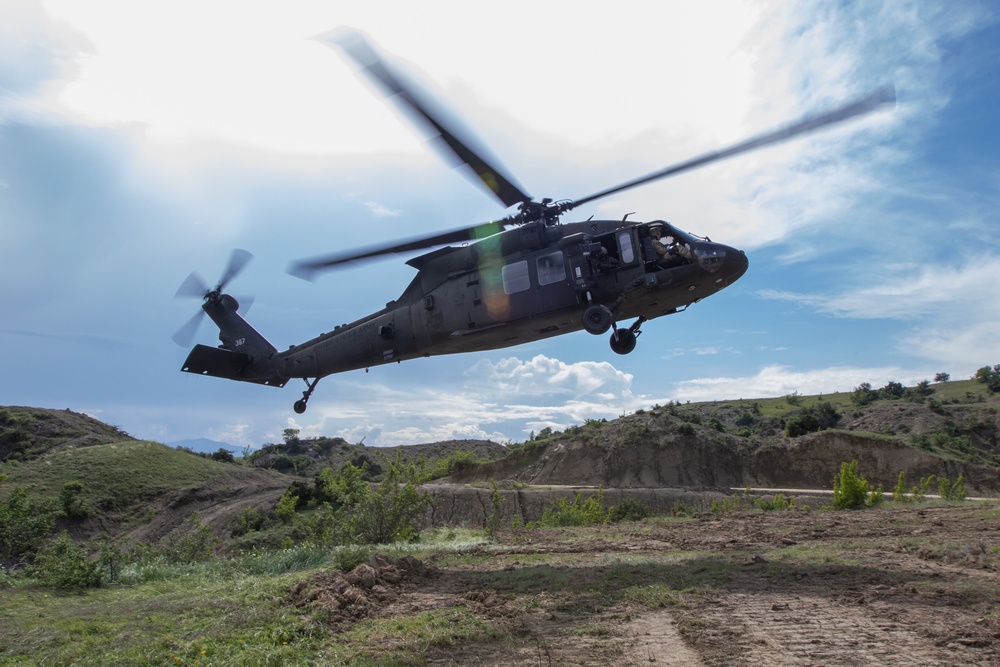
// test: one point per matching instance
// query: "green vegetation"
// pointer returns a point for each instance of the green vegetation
(990, 376)
(851, 491)
(26, 521)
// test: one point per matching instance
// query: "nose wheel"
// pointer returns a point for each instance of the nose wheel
(623, 340)
(300, 405)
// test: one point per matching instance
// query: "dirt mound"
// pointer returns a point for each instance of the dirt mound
(339, 599)
(27, 433)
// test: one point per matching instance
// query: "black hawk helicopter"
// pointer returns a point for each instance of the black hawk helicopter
(522, 278)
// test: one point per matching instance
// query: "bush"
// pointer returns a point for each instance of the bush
(73, 506)
(778, 503)
(349, 556)
(25, 522)
(628, 510)
(250, 520)
(851, 491)
(949, 491)
(581, 512)
(495, 517)
(685, 428)
(863, 394)
(381, 515)
(64, 564)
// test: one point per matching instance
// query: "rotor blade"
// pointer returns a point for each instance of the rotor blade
(447, 134)
(186, 333)
(306, 269)
(237, 261)
(878, 98)
(193, 286)
(245, 301)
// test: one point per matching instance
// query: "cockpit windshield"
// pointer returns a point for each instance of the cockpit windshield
(667, 246)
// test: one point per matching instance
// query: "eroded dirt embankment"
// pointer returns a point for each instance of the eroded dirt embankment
(717, 460)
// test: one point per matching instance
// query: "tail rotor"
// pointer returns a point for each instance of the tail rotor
(194, 286)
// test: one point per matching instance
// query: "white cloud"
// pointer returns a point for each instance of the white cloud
(781, 380)
(381, 211)
(911, 292)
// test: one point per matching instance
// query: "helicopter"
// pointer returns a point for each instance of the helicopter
(525, 277)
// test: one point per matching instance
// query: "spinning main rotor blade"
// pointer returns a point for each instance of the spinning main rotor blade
(306, 269)
(447, 135)
(874, 100)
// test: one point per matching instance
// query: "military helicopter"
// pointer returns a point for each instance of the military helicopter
(522, 278)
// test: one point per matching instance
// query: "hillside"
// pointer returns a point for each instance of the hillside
(951, 430)
(26, 433)
(135, 489)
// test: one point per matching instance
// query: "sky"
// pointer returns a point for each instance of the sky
(141, 141)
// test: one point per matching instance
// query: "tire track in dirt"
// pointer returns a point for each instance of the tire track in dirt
(769, 630)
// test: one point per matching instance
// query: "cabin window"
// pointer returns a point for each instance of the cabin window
(551, 268)
(625, 246)
(515, 277)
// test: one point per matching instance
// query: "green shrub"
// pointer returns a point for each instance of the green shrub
(737, 503)
(64, 564)
(495, 517)
(628, 510)
(950, 491)
(249, 520)
(851, 491)
(778, 503)
(681, 508)
(349, 556)
(25, 522)
(581, 512)
(285, 510)
(685, 428)
(899, 494)
(73, 506)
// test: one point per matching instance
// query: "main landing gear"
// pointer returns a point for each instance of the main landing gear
(598, 319)
(623, 340)
(300, 405)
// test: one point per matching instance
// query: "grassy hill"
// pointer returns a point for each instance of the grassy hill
(26, 433)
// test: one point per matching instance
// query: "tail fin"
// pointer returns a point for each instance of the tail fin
(244, 355)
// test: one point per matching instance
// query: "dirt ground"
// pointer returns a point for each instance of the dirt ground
(916, 585)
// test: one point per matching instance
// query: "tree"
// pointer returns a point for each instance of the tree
(223, 455)
(863, 394)
(25, 522)
(990, 377)
(942, 377)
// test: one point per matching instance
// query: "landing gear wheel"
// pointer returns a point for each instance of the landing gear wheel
(622, 341)
(300, 405)
(596, 319)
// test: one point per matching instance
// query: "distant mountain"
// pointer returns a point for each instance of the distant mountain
(205, 446)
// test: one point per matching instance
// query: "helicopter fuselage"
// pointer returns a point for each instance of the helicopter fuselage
(519, 286)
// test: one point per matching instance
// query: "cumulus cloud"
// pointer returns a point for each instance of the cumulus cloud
(498, 400)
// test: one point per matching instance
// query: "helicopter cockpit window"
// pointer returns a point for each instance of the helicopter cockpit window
(515, 277)
(551, 268)
(625, 247)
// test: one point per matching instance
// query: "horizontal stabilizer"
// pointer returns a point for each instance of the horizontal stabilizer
(221, 363)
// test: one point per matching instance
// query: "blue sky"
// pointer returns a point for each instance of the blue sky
(141, 142)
